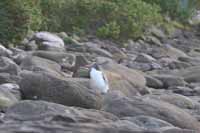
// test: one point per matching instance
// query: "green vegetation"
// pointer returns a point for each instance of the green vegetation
(17, 17)
(114, 19)
(179, 10)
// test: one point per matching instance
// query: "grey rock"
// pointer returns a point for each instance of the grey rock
(7, 99)
(49, 41)
(153, 82)
(175, 99)
(170, 80)
(31, 46)
(66, 60)
(8, 66)
(179, 65)
(118, 75)
(157, 32)
(191, 74)
(66, 91)
(173, 52)
(8, 78)
(153, 40)
(40, 117)
(186, 91)
(100, 52)
(148, 122)
(140, 66)
(136, 106)
(12, 88)
(4, 51)
(19, 55)
(144, 58)
(37, 64)
(58, 57)
(167, 51)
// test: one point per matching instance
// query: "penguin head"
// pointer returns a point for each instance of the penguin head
(93, 65)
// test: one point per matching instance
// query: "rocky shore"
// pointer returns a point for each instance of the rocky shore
(154, 84)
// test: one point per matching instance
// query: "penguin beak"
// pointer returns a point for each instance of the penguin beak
(89, 65)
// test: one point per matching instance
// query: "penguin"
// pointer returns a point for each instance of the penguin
(98, 79)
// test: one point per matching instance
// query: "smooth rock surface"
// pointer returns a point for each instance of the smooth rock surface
(131, 107)
(66, 91)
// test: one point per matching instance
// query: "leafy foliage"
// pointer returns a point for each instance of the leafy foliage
(116, 19)
(17, 18)
(110, 30)
(111, 18)
(177, 9)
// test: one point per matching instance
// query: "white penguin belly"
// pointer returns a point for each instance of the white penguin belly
(97, 81)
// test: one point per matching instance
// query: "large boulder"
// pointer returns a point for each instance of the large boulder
(49, 41)
(122, 76)
(66, 91)
(126, 107)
